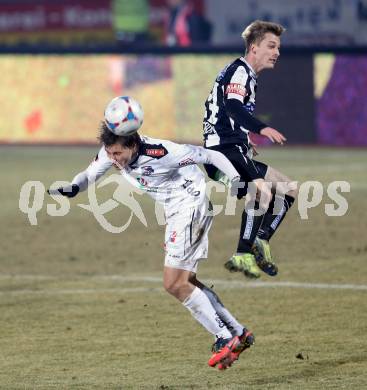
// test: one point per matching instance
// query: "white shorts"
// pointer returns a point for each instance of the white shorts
(186, 238)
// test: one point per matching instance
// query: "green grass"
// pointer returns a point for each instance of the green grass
(82, 308)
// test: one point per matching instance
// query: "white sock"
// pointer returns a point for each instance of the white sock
(232, 324)
(203, 311)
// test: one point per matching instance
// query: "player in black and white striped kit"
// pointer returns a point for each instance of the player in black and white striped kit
(227, 123)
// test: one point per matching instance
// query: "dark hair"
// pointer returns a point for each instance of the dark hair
(108, 138)
(255, 32)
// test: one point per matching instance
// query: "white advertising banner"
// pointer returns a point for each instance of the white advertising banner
(311, 22)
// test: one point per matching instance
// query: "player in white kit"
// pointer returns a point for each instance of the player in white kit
(168, 172)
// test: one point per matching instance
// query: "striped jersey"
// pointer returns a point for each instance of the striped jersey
(236, 81)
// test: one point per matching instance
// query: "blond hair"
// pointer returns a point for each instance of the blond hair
(255, 32)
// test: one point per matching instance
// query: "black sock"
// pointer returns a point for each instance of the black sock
(273, 218)
(250, 225)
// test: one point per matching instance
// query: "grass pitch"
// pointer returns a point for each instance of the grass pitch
(82, 308)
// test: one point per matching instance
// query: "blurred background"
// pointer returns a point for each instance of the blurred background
(62, 61)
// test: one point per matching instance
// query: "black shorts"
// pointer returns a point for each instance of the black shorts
(236, 153)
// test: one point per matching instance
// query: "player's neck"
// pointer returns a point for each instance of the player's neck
(251, 60)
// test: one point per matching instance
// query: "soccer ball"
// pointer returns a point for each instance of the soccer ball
(123, 115)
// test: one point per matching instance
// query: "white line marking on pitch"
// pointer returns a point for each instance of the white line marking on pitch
(227, 284)
(81, 291)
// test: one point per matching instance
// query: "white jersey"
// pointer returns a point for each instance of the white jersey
(165, 170)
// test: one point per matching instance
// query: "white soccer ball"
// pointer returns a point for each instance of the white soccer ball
(123, 115)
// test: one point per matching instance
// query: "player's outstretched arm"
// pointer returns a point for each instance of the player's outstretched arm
(96, 169)
(221, 162)
(79, 183)
(70, 191)
(182, 155)
(273, 135)
(236, 110)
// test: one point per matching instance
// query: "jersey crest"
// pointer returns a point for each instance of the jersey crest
(155, 151)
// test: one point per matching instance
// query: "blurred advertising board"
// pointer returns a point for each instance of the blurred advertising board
(308, 23)
(63, 22)
(85, 22)
(61, 99)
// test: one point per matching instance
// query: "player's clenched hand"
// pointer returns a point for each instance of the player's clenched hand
(273, 135)
(70, 191)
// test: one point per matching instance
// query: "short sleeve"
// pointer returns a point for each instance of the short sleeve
(99, 166)
(236, 88)
(181, 155)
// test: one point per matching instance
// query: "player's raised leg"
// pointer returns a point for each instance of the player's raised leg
(252, 216)
(285, 192)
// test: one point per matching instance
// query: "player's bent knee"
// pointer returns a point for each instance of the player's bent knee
(288, 187)
(264, 199)
(292, 189)
(173, 287)
(169, 287)
(180, 290)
